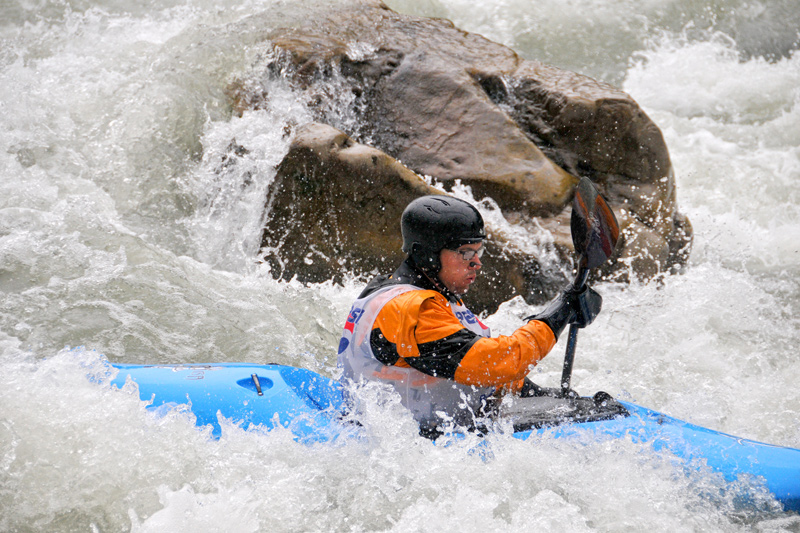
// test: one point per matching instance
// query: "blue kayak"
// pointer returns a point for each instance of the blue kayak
(310, 406)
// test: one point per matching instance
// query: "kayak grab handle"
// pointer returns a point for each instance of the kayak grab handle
(257, 384)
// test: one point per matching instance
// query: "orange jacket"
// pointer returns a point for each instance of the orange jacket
(420, 330)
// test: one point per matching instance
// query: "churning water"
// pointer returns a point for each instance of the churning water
(122, 232)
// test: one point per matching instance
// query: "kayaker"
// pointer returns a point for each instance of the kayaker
(411, 330)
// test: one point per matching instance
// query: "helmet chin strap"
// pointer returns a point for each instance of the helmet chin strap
(436, 282)
(450, 295)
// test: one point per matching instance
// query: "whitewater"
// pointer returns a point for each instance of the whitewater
(122, 236)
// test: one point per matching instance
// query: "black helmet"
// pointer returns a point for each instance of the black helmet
(432, 223)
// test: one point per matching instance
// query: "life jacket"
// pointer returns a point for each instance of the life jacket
(432, 400)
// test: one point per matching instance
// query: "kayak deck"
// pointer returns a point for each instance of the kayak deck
(310, 405)
(247, 394)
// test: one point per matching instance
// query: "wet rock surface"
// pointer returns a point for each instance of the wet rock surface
(322, 227)
(422, 97)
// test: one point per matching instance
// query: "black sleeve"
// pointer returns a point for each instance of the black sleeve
(383, 350)
(441, 358)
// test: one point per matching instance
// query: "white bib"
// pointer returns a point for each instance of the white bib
(430, 399)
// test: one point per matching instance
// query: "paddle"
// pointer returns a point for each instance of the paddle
(595, 233)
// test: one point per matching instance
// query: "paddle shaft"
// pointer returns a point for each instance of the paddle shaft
(569, 358)
(572, 340)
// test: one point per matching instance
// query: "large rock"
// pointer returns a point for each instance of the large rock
(321, 226)
(454, 106)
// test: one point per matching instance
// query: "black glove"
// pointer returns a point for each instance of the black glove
(588, 305)
(570, 307)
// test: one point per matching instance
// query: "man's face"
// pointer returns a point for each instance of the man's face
(458, 273)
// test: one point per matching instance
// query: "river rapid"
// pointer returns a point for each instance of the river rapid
(121, 238)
